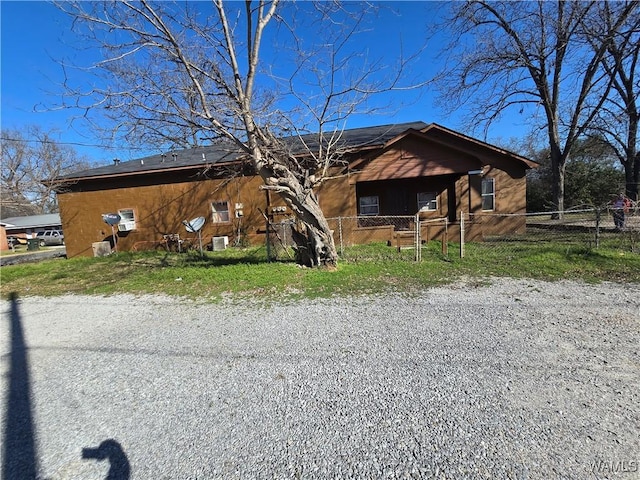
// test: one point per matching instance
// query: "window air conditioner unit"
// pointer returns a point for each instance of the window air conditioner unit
(220, 243)
(126, 226)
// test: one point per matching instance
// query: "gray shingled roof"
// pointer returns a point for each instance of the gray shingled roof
(33, 221)
(174, 159)
(221, 153)
(356, 137)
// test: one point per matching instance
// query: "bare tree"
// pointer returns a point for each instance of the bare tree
(180, 73)
(531, 56)
(29, 157)
(619, 118)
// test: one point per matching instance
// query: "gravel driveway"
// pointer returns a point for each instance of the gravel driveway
(512, 379)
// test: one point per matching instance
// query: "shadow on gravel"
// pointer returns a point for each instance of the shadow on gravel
(119, 468)
(19, 459)
(19, 445)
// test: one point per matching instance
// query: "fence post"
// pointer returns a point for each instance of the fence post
(461, 234)
(340, 234)
(598, 217)
(284, 236)
(268, 234)
(417, 238)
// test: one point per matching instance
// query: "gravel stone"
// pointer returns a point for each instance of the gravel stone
(497, 379)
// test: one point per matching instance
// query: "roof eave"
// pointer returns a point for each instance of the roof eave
(66, 180)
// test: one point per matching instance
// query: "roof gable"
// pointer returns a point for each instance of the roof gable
(472, 145)
(411, 156)
(435, 150)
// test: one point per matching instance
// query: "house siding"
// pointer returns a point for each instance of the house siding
(160, 209)
(337, 196)
(396, 173)
(413, 158)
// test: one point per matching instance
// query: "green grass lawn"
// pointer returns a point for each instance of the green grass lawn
(363, 269)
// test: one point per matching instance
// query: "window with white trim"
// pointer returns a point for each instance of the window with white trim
(369, 205)
(488, 194)
(428, 201)
(219, 212)
(127, 219)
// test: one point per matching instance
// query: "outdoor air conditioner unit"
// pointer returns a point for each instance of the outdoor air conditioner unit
(126, 226)
(220, 243)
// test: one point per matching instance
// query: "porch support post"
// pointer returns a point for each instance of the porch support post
(445, 239)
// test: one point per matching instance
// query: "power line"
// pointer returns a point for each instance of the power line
(7, 139)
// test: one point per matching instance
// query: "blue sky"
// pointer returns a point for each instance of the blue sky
(36, 36)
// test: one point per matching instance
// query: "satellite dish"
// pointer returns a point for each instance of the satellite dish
(194, 225)
(111, 218)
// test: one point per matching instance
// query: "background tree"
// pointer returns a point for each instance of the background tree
(593, 177)
(178, 74)
(531, 56)
(30, 156)
(618, 119)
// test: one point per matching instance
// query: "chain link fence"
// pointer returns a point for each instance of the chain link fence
(414, 238)
(575, 231)
(388, 237)
(355, 237)
(280, 240)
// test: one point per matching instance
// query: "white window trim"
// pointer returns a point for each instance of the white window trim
(428, 204)
(215, 214)
(492, 195)
(369, 205)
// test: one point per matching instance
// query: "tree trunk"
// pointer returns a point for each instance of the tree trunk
(315, 246)
(632, 177)
(557, 182)
(632, 163)
(314, 240)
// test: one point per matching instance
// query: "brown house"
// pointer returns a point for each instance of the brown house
(389, 170)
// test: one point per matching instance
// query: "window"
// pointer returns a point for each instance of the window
(220, 212)
(488, 194)
(369, 205)
(127, 220)
(428, 201)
